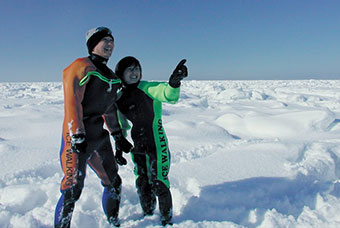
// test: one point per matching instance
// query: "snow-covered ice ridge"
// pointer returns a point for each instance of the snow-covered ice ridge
(244, 154)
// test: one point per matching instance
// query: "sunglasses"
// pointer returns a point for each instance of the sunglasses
(100, 29)
(93, 31)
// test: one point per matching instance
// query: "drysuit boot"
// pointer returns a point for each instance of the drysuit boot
(165, 202)
(111, 201)
(147, 198)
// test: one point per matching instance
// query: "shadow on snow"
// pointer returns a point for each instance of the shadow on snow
(237, 201)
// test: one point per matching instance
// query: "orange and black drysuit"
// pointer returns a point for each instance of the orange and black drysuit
(90, 101)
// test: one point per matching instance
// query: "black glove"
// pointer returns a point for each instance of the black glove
(78, 143)
(119, 158)
(121, 142)
(179, 73)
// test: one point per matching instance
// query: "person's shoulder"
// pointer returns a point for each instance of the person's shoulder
(82, 60)
(143, 84)
(150, 83)
(79, 62)
(78, 68)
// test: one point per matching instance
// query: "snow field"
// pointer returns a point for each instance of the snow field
(244, 154)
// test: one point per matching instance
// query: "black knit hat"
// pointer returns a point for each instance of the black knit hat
(125, 63)
(93, 36)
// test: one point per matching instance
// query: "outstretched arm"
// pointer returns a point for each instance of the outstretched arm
(166, 92)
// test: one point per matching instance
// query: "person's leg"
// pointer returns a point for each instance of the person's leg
(164, 200)
(159, 169)
(74, 168)
(146, 196)
(106, 168)
(65, 206)
(111, 201)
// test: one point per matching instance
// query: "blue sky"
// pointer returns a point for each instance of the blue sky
(224, 40)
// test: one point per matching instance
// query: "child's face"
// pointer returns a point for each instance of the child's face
(132, 74)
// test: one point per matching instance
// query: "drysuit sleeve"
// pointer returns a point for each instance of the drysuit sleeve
(111, 119)
(160, 91)
(124, 124)
(73, 96)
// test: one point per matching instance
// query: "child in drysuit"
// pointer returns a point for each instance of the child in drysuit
(141, 103)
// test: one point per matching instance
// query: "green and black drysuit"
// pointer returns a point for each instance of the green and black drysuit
(142, 105)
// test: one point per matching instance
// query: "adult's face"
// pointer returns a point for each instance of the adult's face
(104, 48)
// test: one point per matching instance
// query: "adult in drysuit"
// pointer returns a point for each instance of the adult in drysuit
(90, 90)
